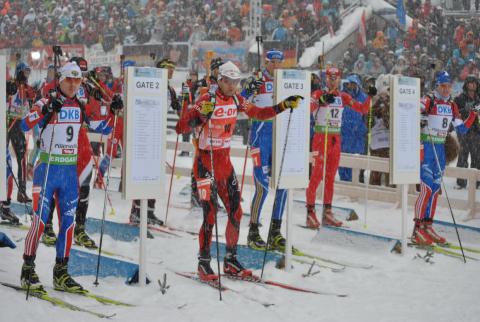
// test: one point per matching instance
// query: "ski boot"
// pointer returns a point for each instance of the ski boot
(62, 281)
(419, 235)
(434, 236)
(254, 240)
(204, 271)
(28, 277)
(312, 221)
(329, 218)
(153, 220)
(231, 266)
(23, 198)
(81, 237)
(7, 214)
(49, 238)
(276, 241)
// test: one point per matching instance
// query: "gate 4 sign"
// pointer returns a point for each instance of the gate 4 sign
(404, 130)
(296, 162)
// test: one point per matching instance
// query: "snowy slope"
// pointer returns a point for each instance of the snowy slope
(349, 25)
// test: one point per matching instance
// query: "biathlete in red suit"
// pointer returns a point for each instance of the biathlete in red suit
(327, 108)
(216, 115)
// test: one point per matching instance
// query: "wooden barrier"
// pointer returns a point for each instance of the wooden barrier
(355, 189)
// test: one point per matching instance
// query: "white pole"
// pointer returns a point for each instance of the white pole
(288, 246)
(404, 217)
(143, 243)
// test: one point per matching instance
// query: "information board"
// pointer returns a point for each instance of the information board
(404, 130)
(296, 162)
(3, 130)
(145, 132)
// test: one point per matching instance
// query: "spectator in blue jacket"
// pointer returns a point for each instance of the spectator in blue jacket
(353, 125)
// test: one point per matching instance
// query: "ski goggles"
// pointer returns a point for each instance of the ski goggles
(167, 64)
(73, 80)
(274, 55)
(230, 81)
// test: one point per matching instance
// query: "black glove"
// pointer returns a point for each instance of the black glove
(252, 85)
(175, 105)
(372, 90)
(21, 78)
(117, 104)
(423, 120)
(11, 88)
(327, 98)
(92, 75)
(55, 105)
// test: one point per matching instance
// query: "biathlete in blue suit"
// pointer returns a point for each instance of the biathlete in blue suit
(438, 112)
(60, 117)
(261, 92)
(354, 128)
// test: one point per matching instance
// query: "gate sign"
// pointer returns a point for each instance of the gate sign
(3, 138)
(145, 135)
(404, 130)
(296, 162)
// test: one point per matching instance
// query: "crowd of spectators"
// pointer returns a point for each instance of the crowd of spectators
(33, 23)
(431, 43)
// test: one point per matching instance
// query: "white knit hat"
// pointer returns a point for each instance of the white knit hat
(71, 70)
(229, 70)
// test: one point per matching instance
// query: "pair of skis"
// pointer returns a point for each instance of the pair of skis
(256, 280)
(447, 250)
(45, 296)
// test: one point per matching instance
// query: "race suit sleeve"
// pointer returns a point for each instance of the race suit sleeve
(103, 127)
(260, 113)
(192, 117)
(34, 116)
(355, 105)
(462, 126)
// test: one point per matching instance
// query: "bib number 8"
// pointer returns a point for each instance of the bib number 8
(444, 123)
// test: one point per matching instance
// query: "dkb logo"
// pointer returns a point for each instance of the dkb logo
(69, 115)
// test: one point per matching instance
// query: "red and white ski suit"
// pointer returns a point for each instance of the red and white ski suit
(328, 122)
(216, 134)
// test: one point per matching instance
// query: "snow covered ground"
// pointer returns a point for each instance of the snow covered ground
(397, 288)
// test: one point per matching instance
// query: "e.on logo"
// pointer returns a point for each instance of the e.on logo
(222, 112)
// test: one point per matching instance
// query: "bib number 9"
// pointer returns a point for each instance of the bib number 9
(69, 133)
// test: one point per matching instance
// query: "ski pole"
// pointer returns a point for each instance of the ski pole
(171, 180)
(215, 203)
(245, 159)
(102, 182)
(105, 204)
(21, 189)
(367, 183)
(37, 222)
(276, 189)
(446, 194)
(174, 158)
(324, 172)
